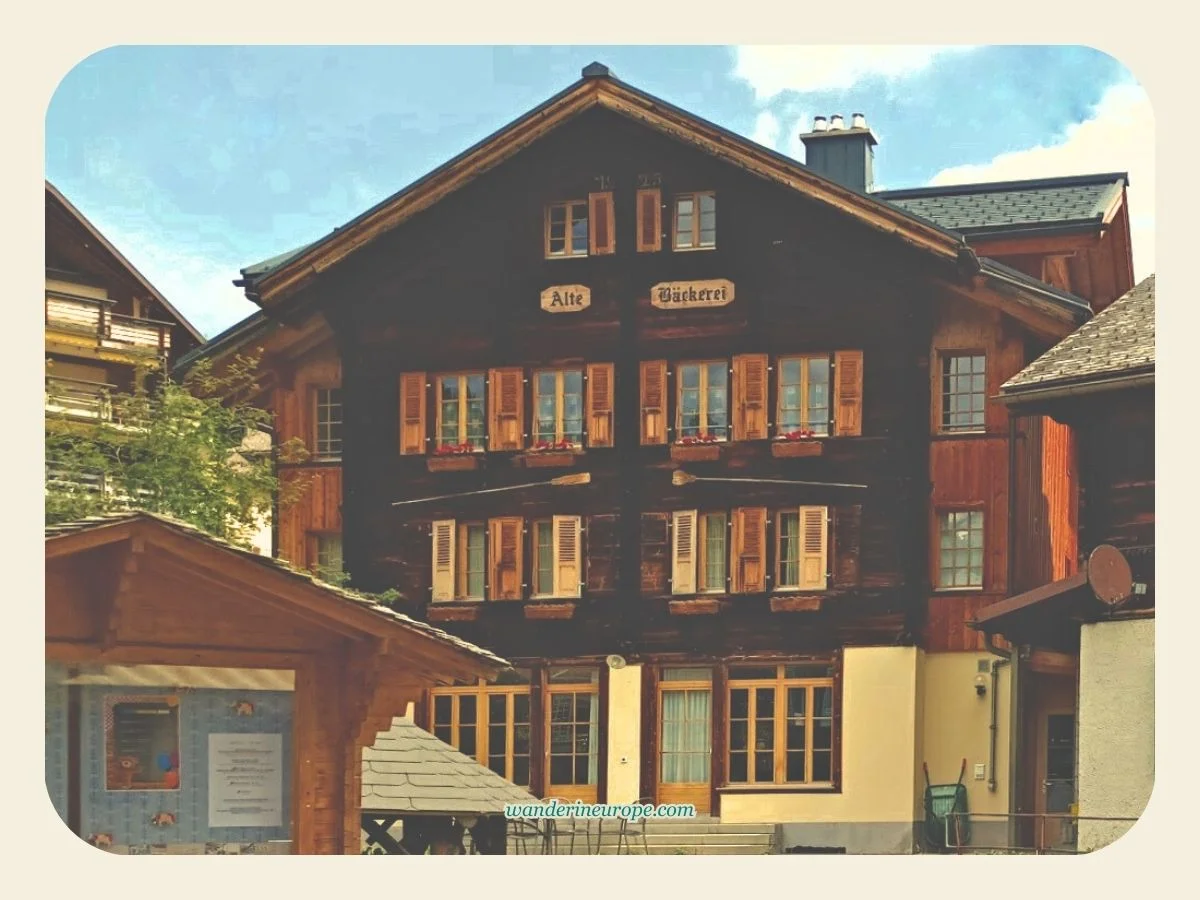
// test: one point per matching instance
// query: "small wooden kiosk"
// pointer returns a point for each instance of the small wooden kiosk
(142, 590)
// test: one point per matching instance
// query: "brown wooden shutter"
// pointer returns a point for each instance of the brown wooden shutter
(412, 412)
(603, 554)
(654, 401)
(649, 220)
(504, 558)
(814, 530)
(848, 392)
(750, 549)
(600, 404)
(567, 555)
(655, 554)
(506, 390)
(602, 237)
(443, 559)
(683, 552)
(750, 397)
(847, 529)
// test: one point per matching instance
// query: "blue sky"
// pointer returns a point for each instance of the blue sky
(197, 161)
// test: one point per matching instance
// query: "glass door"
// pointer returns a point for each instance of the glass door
(685, 737)
(573, 751)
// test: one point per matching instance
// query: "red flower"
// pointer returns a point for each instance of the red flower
(802, 434)
(454, 449)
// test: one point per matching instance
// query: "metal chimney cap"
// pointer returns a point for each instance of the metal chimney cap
(819, 123)
(836, 123)
(596, 70)
(858, 120)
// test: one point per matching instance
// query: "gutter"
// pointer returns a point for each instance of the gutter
(1080, 388)
(1067, 226)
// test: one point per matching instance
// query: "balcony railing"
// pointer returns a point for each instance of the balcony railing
(79, 399)
(84, 315)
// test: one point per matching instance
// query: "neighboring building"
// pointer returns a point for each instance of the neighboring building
(791, 478)
(201, 698)
(1085, 733)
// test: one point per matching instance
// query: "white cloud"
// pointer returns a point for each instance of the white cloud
(772, 70)
(766, 129)
(1117, 137)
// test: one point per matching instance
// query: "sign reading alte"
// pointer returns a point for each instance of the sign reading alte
(689, 294)
(566, 298)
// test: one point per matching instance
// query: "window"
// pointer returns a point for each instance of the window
(558, 402)
(574, 748)
(801, 559)
(488, 722)
(472, 561)
(696, 221)
(460, 410)
(329, 554)
(685, 704)
(960, 549)
(567, 229)
(781, 724)
(329, 422)
(543, 558)
(141, 743)
(964, 389)
(703, 400)
(714, 557)
(803, 395)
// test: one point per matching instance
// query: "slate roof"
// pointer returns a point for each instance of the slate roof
(336, 593)
(1118, 341)
(1005, 206)
(407, 769)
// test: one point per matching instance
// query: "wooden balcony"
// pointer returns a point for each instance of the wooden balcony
(79, 399)
(89, 318)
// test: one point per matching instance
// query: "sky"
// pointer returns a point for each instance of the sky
(197, 161)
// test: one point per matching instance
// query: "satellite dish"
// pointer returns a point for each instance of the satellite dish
(616, 662)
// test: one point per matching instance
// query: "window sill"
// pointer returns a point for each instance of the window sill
(553, 609)
(452, 611)
(778, 789)
(978, 589)
(692, 249)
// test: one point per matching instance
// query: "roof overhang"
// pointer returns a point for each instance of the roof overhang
(1017, 399)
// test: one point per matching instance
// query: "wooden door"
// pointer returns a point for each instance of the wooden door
(1055, 779)
(685, 738)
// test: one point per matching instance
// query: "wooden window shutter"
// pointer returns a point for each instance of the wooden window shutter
(443, 559)
(600, 405)
(683, 552)
(602, 237)
(814, 530)
(750, 397)
(649, 220)
(654, 563)
(847, 541)
(749, 549)
(412, 412)
(506, 390)
(567, 555)
(848, 392)
(603, 554)
(654, 402)
(504, 558)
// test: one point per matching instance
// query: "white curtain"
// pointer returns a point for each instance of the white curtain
(686, 733)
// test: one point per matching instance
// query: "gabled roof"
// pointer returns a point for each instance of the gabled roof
(65, 531)
(1005, 207)
(408, 770)
(57, 197)
(1117, 344)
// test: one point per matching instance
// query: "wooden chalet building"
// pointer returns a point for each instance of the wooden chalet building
(703, 439)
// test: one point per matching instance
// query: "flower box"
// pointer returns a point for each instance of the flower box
(796, 448)
(697, 452)
(453, 462)
(549, 458)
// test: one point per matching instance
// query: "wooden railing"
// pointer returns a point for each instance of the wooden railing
(79, 399)
(86, 315)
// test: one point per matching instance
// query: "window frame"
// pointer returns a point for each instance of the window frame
(944, 358)
(664, 685)
(940, 511)
(805, 423)
(462, 562)
(535, 558)
(560, 396)
(777, 546)
(780, 684)
(694, 196)
(568, 206)
(702, 550)
(483, 691)
(317, 407)
(569, 792)
(315, 538)
(462, 377)
(703, 364)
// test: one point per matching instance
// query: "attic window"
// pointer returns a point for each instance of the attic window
(567, 229)
(696, 221)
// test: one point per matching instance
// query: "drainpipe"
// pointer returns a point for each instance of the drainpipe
(1004, 659)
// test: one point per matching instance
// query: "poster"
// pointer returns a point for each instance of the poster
(245, 780)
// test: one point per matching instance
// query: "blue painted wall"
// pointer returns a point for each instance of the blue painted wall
(126, 815)
(56, 737)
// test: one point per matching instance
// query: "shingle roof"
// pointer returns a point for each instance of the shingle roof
(1118, 341)
(407, 769)
(341, 594)
(973, 209)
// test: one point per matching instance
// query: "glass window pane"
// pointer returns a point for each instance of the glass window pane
(738, 768)
(679, 673)
(795, 767)
(752, 673)
(764, 702)
(443, 706)
(822, 766)
(764, 767)
(561, 769)
(739, 703)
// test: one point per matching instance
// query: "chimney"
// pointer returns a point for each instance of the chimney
(841, 154)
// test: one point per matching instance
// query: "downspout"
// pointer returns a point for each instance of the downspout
(1004, 659)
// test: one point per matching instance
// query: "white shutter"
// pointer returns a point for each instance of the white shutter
(814, 547)
(683, 552)
(567, 554)
(443, 559)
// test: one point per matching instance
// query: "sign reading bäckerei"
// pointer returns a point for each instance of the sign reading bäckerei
(689, 294)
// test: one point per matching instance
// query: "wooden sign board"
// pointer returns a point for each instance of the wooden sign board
(566, 298)
(692, 294)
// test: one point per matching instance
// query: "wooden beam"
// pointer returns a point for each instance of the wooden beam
(78, 541)
(700, 606)
(549, 610)
(127, 569)
(1042, 323)
(1018, 246)
(1051, 662)
(171, 655)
